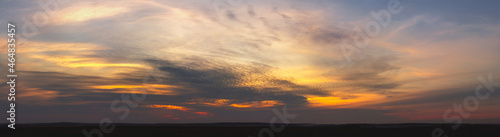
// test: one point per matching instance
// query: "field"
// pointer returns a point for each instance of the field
(252, 130)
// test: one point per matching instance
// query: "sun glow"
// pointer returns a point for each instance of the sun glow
(172, 107)
(339, 102)
(257, 104)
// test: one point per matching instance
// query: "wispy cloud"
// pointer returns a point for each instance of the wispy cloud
(253, 56)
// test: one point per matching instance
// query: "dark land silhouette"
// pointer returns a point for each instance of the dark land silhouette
(252, 130)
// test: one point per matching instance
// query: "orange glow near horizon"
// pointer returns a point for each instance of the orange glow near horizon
(172, 107)
(204, 114)
(38, 93)
(229, 103)
(338, 102)
(257, 104)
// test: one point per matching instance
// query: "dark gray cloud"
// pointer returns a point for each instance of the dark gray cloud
(222, 82)
(75, 92)
(368, 73)
(230, 15)
(330, 36)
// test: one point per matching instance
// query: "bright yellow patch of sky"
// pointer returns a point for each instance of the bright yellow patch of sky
(339, 102)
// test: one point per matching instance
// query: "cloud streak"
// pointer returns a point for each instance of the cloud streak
(250, 57)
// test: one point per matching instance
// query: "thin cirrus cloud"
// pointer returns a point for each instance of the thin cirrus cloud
(240, 62)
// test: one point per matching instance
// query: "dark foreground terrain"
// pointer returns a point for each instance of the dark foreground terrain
(251, 130)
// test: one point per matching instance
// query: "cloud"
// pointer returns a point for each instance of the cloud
(169, 107)
(266, 54)
(225, 83)
(371, 74)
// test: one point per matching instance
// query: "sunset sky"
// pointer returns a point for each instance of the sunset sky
(235, 60)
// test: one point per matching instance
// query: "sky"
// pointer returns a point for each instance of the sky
(204, 61)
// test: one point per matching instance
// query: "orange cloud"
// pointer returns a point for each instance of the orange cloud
(187, 112)
(211, 102)
(131, 86)
(38, 94)
(218, 102)
(228, 102)
(76, 61)
(172, 107)
(257, 104)
(38, 47)
(75, 58)
(157, 89)
(338, 102)
(204, 114)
